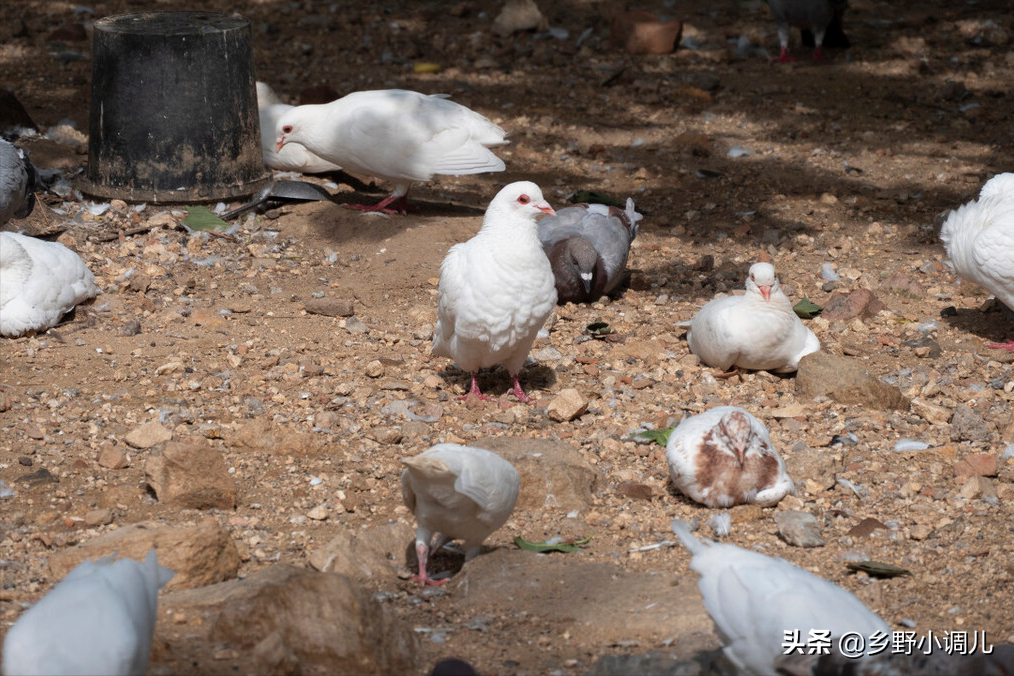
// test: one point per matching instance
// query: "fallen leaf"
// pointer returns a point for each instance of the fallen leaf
(806, 309)
(566, 546)
(877, 568)
(202, 218)
(660, 436)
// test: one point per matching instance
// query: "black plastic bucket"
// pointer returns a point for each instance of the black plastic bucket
(174, 109)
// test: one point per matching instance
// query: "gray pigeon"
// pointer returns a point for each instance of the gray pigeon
(18, 182)
(587, 245)
(814, 15)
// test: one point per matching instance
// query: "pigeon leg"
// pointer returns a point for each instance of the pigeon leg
(1009, 345)
(734, 371)
(421, 552)
(783, 40)
(518, 392)
(784, 56)
(817, 56)
(389, 205)
(474, 390)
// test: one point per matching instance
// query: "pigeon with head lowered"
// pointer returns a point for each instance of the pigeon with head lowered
(979, 237)
(754, 600)
(587, 246)
(497, 289)
(40, 282)
(458, 492)
(758, 330)
(724, 457)
(18, 182)
(402, 136)
(815, 15)
(99, 620)
(293, 157)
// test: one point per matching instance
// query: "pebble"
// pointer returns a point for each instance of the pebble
(148, 435)
(318, 513)
(567, 405)
(112, 457)
(374, 369)
(98, 517)
(799, 529)
(977, 464)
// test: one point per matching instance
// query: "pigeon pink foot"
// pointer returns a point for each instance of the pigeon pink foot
(519, 393)
(422, 553)
(474, 391)
(818, 55)
(389, 205)
(1009, 345)
(784, 56)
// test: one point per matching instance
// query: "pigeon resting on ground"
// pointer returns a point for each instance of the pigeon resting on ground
(39, 283)
(293, 157)
(458, 492)
(755, 599)
(99, 620)
(758, 330)
(18, 182)
(815, 15)
(497, 289)
(402, 136)
(724, 457)
(587, 246)
(979, 239)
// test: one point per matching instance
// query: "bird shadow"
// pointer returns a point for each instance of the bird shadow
(992, 324)
(444, 563)
(537, 377)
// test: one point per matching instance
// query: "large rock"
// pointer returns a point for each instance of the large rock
(371, 554)
(598, 601)
(859, 303)
(191, 476)
(284, 620)
(553, 474)
(845, 381)
(199, 555)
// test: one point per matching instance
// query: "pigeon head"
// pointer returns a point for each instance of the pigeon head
(762, 280)
(521, 199)
(580, 273)
(290, 126)
(735, 431)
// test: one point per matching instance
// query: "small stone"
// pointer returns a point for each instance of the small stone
(978, 487)
(640, 32)
(330, 307)
(967, 425)
(519, 15)
(866, 527)
(860, 303)
(930, 412)
(131, 328)
(375, 369)
(977, 464)
(354, 326)
(633, 489)
(845, 381)
(386, 435)
(799, 529)
(148, 435)
(920, 531)
(98, 517)
(318, 513)
(191, 476)
(35, 432)
(567, 405)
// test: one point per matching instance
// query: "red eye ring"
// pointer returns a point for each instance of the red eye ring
(287, 129)
(524, 199)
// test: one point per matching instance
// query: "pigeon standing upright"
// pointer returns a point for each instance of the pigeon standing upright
(18, 182)
(293, 157)
(815, 15)
(756, 601)
(497, 289)
(587, 246)
(98, 620)
(979, 239)
(457, 492)
(402, 136)
(724, 457)
(758, 330)
(40, 282)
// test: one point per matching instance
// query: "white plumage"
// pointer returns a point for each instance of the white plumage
(754, 599)
(98, 621)
(497, 289)
(293, 157)
(39, 283)
(402, 136)
(458, 492)
(758, 330)
(979, 239)
(724, 457)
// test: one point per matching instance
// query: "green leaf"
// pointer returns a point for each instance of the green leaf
(877, 568)
(589, 197)
(599, 329)
(660, 437)
(807, 309)
(565, 547)
(202, 218)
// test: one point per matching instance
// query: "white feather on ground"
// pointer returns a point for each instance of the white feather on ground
(98, 621)
(39, 283)
(458, 492)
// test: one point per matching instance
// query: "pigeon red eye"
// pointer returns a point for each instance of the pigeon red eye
(524, 199)
(287, 129)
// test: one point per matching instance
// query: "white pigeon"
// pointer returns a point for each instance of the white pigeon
(402, 136)
(755, 599)
(40, 282)
(18, 181)
(816, 15)
(293, 157)
(724, 457)
(98, 621)
(587, 245)
(758, 330)
(497, 289)
(979, 239)
(458, 492)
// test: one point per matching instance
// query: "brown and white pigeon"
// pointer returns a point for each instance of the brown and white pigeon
(587, 245)
(402, 136)
(497, 289)
(40, 282)
(457, 492)
(758, 330)
(724, 457)
(754, 600)
(18, 182)
(979, 239)
(815, 15)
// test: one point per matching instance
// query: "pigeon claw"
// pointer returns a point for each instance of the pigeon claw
(389, 205)
(424, 581)
(520, 393)
(818, 55)
(784, 56)
(1009, 346)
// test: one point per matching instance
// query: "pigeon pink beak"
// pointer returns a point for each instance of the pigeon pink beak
(765, 291)
(545, 208)
(280, 143)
